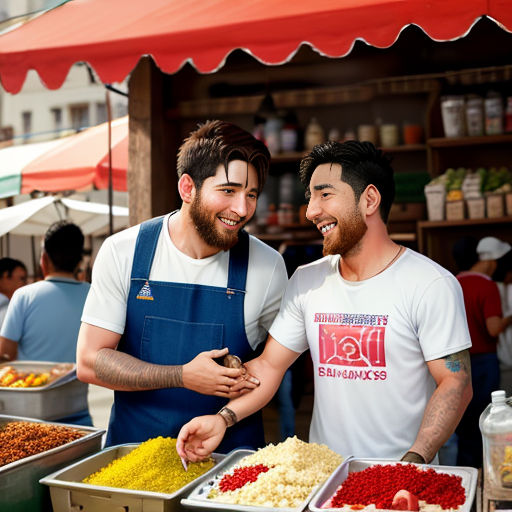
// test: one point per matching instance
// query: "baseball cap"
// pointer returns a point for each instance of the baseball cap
(490, 248)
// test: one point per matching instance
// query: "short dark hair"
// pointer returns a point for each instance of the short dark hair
(217, 143)
(8, 265)
(464, 252)
(64, 244)
(362, 164)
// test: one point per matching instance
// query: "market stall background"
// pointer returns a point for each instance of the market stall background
(188, 62)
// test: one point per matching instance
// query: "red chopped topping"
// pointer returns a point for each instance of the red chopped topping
(379, 484)
(240, 477)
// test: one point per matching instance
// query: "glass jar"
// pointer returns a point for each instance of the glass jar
(475, 116)
(314, 134)
(493, 113)
(452, 112)
(496, 427)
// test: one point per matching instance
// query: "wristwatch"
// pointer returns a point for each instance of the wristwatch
(228, 416)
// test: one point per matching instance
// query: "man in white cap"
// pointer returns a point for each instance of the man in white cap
(486, 322)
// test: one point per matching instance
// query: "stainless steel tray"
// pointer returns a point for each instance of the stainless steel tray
(59, 398)
(198, 497)
(20, 489)
(68, 493)
(327, 490)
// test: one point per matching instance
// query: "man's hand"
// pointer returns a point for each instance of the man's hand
(205, 376)
(199, 437)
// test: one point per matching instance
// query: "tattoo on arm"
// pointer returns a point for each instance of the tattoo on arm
(459, 362)
(125, 372)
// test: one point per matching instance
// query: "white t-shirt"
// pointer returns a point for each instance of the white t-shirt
(106, 303)
(369, 341)
(504, 349)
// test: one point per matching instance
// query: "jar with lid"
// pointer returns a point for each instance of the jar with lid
(493, 113)
(496, 427)
(314, 134)
(475, 116)
(508, 115)
(452, 112)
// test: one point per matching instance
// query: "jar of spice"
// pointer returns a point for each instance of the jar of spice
(493, 113)
(314, 134)
(475, 116)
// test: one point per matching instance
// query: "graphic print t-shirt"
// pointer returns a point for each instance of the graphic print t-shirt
(369, 341)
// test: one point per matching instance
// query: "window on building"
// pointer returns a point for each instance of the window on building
(57, 119)
(26, 121)
(79, 116)
(101, 113)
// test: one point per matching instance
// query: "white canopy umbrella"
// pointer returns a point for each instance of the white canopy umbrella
(14, 159)
(35, 216)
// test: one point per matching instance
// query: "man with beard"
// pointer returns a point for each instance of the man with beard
(385, 325)
(173, 294)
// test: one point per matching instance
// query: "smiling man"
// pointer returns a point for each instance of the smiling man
(385, 325)
(171, 295)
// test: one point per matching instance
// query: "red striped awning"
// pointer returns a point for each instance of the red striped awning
(111, 35)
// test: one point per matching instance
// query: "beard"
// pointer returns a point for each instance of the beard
(207, 229)
(348, 234)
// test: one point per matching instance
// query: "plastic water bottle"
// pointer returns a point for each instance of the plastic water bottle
(496, 428)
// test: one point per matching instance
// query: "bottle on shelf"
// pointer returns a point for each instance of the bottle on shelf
(475, 115)
(334, 134)
(314, 134)
(289, 132)
(508, 115)
(452, 113)
(493, 113)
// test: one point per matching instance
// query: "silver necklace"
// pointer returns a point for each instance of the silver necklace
(395, 257)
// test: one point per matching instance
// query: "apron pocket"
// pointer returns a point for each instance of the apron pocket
(168, 341)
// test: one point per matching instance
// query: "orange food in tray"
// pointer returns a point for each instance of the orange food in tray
(12, 378)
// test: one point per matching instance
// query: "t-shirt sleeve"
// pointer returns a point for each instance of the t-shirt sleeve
(106, 301)
(492, 301)
(13, 325)
(441, 319)
(272, 301)
(288, 327)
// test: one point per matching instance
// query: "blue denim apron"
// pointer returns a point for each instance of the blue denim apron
(170, 323)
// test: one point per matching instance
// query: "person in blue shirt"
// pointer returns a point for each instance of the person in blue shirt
(43, 318)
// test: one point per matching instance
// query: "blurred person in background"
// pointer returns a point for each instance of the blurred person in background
(171, 296)
(385, 326)
(13, 275)
(43, 318)
(503, 278)
(486, 321)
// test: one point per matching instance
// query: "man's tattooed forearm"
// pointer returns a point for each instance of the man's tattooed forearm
(123, 371)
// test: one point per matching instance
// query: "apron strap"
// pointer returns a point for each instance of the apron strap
(238, 263)
(145, 248)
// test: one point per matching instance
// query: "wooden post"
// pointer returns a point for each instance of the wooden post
(152, 180)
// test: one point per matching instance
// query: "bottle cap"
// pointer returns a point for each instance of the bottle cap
(498, 397)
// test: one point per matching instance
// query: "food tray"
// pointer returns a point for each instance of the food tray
(327, 490)
(59, 398)
(20, 489)
(69, 494)
(198, 497)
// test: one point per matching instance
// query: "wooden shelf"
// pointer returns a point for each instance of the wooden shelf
(427, 224)
(296, 156)
(405, 148)
(447, 142)
(291, 156)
